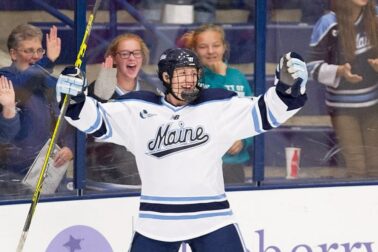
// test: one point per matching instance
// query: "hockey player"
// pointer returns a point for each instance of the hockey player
(179, 140)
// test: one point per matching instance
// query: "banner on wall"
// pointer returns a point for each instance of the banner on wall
(329, 219)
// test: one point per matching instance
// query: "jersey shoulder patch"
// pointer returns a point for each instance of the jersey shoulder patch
(322, 27)
(146, 96)
(213, 94)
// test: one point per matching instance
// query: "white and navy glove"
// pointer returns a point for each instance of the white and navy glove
(291, 75)
(71, 81)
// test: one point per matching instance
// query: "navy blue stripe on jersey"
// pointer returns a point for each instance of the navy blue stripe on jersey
(293, 102)
(185, 216)
(109, 132)
(73, 110)
(263, 115)
(101, 131)
(105, 129)
(92, 128)
(213, 94)
(141, 95)
(184, 208)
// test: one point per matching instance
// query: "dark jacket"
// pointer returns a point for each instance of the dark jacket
(38, 110)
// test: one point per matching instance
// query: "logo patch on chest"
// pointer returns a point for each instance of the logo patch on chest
(169, 140)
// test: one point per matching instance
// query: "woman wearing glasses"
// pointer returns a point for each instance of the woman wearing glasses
(119, 74)
(34, 88)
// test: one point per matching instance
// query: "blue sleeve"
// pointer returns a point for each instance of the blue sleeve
(38, 73)
(9, 128)
(322, 27)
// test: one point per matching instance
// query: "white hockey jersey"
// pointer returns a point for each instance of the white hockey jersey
(179, 151)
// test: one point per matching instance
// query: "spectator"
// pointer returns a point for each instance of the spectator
(209, 42)
(344, 57)
(34, 89)
(9, 118)
(119, 75)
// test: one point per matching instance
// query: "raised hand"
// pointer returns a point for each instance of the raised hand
(53, 44)
(7, 98)
(108, 63)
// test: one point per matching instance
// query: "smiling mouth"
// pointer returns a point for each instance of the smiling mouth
(131, 67)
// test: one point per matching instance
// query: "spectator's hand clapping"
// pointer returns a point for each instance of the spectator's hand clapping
(346, 72)
(53, 44)
(374, 64)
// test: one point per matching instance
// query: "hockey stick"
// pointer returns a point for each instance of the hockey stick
(38, 187)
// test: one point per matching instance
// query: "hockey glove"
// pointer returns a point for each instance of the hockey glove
(291, 75)
(71, 81)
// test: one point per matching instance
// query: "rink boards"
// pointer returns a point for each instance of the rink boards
(279, 220)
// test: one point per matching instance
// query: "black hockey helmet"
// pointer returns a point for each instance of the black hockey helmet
(174, 58)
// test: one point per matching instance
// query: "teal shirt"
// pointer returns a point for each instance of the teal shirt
(234, 80)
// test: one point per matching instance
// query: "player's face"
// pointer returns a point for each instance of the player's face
(27, 53)
(184, 80)
(128, 59)
(210, 47)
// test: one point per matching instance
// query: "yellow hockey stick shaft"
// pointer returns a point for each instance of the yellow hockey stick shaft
(54, 137)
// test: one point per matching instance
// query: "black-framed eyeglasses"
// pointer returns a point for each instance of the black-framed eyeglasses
(126, 54)
(31, 51)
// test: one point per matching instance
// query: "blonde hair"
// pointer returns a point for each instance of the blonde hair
(21, 33)
(112, 48)
(189, 39)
